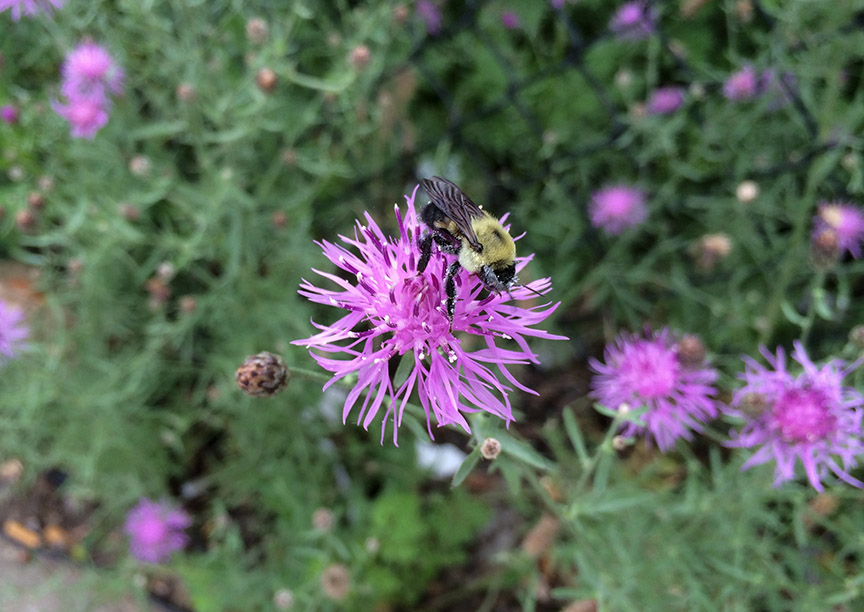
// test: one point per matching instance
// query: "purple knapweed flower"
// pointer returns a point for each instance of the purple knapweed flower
(13, 331)
(510, 20)
(85, 117)
(90, 72)
(649, 371)
(847, 222)
(665, 100)
(396, 316)
(30, 7)
(156, 530)
(742, 85)
(812, 417)
(430, 13)
(616, 208)
(9, 113)
(633, 20)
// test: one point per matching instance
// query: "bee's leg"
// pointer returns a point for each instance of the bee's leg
(450, 290)
(425, 252)
(445, 245)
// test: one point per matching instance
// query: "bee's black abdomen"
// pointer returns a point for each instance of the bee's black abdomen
(431, 214)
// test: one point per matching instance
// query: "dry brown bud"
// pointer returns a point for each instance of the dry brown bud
(35, 201)
(158, 289)
(335, 582)
(266, 80)
(360, 57)
(322, 519)
(257, 31)
(25, 220)
(747, 191)
(490, 449)
(283, 599)
(825, 249)
(753, 405)
(538, 541)
(691, 351)
(188, 304)
(400, 14)
(129, 211)
(263, 375)
(186, 92)
(279, 219)
(140, 166)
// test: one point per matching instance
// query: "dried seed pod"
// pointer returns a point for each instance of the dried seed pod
(263, 375)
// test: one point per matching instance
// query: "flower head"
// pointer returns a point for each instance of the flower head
(742, 85)
(8, 113)
(616, 208)
(430, 13)
(13, 331)
(633, 20)
(846, 221)
(510, 20)
(29, 7)
(648, 371)
(90, 72)
(156, 530)
(665, 100)
(85, 117)
(397, 317)
(811, 417)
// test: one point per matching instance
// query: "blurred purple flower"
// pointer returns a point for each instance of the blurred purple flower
(742, 85)
(558, 4)
(616, 208)
(13, 331)
(812, 417)
(648, 371)
(9, 113)
(633, 20)
(510, 20)
(665, 100)
(30, 7)
(430, 13)
(90, 72)
(156, 530)
(85, 116)
(846, 220)
(397, 317)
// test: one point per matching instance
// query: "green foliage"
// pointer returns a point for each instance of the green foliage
(171, 246)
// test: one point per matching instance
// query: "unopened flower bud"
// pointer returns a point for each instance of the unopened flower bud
(825, 249)
(166, 271)
(279, 219)
(188, 304)
(691, 351)
(856, 337)
(140, 166)
(619, 443)
(46, 183)
(334, 39)
(623, 79)
(744, 10)
(322, 519)
(35, 201)
(360, 57)
(16, 174)
(747, 191)
(372, 545)
(257, 31)
(266, 80)
(710, 249)
(263, 375)
(129, 211)
(186, 92)
(283, 599)
(25, 220)
(490, 449)
(753, 405)
(158, 289)
(9, 114)
(400, 14)
(335, 582)
(289, 157)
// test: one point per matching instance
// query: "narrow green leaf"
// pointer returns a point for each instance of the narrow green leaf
(467, 465)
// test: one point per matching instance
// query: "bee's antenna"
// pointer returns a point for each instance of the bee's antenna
(535, 292)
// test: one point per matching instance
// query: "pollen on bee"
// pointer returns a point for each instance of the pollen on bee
(451, 356)
(333, 302)
(506, 337)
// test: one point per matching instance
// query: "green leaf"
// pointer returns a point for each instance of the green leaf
(467, 465)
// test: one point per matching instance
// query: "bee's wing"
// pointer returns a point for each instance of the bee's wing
(456, 205)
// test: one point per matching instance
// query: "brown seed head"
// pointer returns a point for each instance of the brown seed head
(360, 57)
(35, 201)
(753, 405)
(263, 375)
(25, 220)
(130, 212)
(279, 219)
(186, 92)
(140, 166)
(322, 519)
(856, 337)
(825, 249)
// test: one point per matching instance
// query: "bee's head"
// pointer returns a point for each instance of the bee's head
(500, 279)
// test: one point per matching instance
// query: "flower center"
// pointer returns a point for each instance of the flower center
(151, 530)
(803, 415)
(652, 370)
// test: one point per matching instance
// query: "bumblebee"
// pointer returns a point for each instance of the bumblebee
(459, 227)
